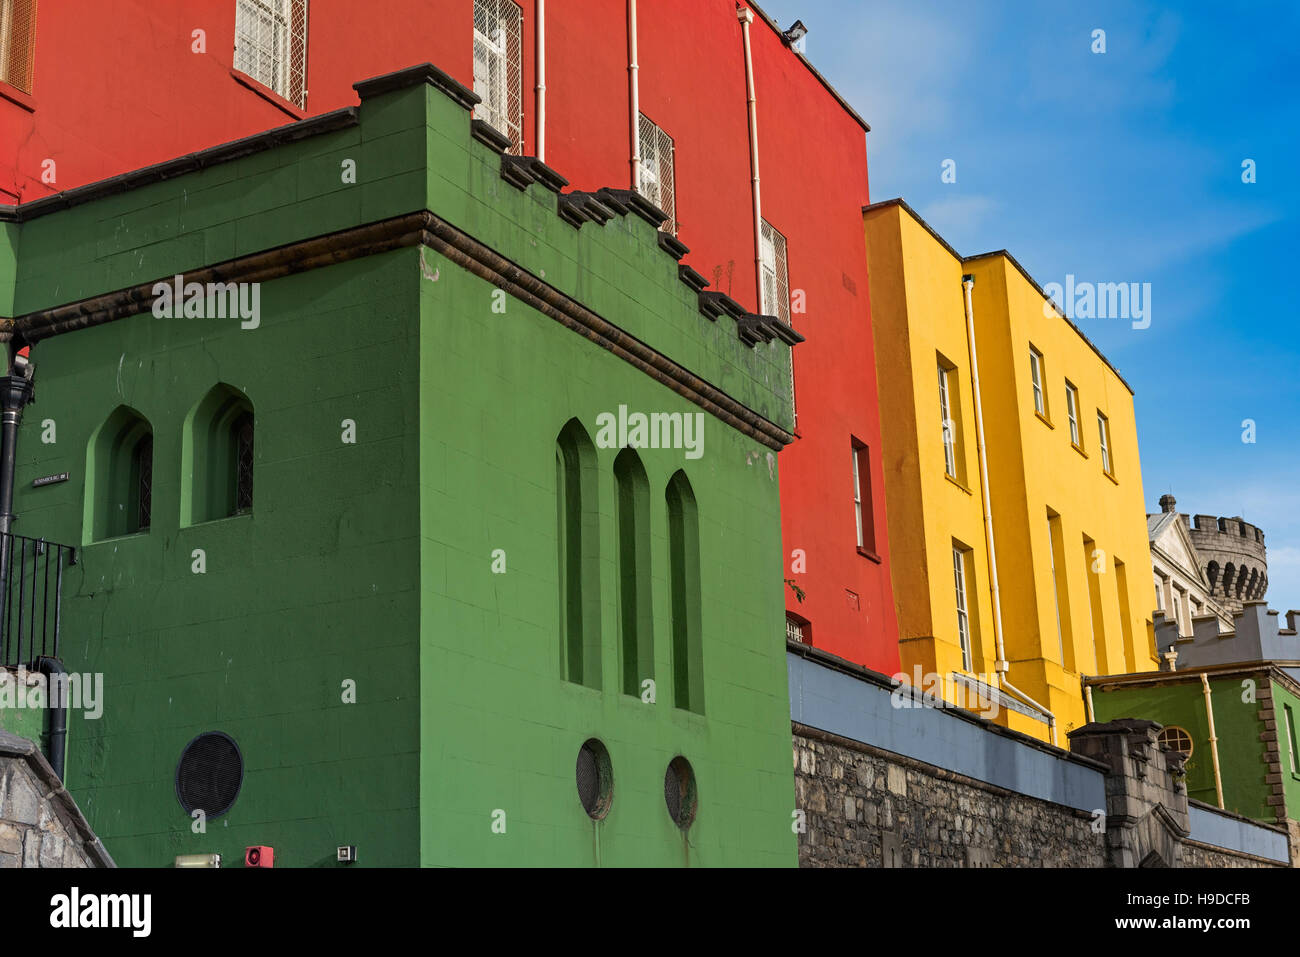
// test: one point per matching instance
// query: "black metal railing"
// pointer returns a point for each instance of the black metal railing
(31, 593)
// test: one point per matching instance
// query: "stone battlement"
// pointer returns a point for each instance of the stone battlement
(1256, 636)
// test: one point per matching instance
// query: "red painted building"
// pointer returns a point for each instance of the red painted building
(93, 88)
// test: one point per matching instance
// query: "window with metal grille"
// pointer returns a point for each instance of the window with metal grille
(217, 457)
(17, 42)
(271, 45)
(119, 479)
(656, 180)
(959, 563)
(1174, 738)
(143, 468)
(685, 599)
(797, 629)
(499, 68)
(244, 463)
(776, 279)
(578, 556)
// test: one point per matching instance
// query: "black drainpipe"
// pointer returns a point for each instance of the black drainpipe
(56, 691)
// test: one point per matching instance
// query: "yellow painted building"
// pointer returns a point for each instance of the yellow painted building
(1061, 487)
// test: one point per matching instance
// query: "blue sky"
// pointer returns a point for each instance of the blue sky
(1117, 167)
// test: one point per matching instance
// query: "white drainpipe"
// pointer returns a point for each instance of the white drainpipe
(1001, 666)
(632, 71)
(746, 18)
(1214, 738)
(541, 80)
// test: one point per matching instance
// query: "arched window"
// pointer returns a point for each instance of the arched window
(217, 457)
(684, 585)
(1212, 573)
(578, 545)
(119, 477)
(636, 618)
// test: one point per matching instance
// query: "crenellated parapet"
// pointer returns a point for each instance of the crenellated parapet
(1233, 558)
(1257, 635)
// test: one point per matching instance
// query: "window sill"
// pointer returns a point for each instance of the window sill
(868, 554)
(216, 521)
(129, 536)
(1111, 476)
(953, 481)
(17, 96)
(268, 94)
(1079, 449)
(1045, 420)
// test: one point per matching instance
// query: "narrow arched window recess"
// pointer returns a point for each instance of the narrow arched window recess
(217, 457)
(119, 477)
(636, 618)
(684, 585)
(578, 554)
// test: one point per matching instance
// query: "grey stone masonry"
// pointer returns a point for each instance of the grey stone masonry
(40, 824)
(1256, 636)
(864, 807)
(1146, 800)
(1233, 558)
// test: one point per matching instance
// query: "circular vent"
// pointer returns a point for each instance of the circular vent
(595, 777)
(679, 792)
(209, 774)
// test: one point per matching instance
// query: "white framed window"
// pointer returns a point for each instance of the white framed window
(1036, 377)
(797, 629)
(862, 507)
(1160, 594)
(1103, 431)
(271, 45)
(963, 618)
(1178, 609)
(499, 68)
(655, 177)
(947, 425)
(1072, 410)
(776, 276)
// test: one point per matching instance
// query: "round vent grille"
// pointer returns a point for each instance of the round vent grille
(595, 777)
(679, 792)
(209, 774)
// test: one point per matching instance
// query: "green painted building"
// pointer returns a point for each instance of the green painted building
(359, 535)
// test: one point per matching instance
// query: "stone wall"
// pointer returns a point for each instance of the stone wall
(1202, 855)
(40, 825)
(864, 807)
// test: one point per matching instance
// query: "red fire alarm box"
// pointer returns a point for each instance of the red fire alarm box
(259, 856)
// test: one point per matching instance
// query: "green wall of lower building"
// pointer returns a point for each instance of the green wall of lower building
(1288, 744)
(497, 390)
(1242, 762)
